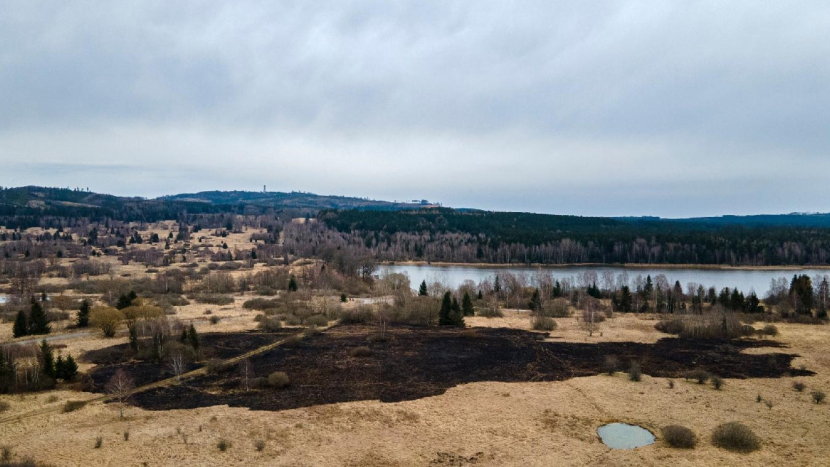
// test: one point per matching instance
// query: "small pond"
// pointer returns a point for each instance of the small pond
(624, 436)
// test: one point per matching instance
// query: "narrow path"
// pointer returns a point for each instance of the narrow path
(162, 383)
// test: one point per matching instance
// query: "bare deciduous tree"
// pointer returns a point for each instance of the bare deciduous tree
(178, 364)
(120, 386)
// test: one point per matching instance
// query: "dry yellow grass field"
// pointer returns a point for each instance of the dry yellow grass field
(486, 423)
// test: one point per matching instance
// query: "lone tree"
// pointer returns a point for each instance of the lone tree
(83, 314)
(38, 323)
(422, 291)
(120, 386)
(535, 301)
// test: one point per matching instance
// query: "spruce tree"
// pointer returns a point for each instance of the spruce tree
(70, 369)
(535, 301)
(467, 305)
(183, 337)
(444, 318)
(38, 323)
(292, 284)
(47, 359)
(83, 314)
(21, 326)
(59, 367)
(480, 296)
(456, 317)
(422, 291)
(123, 302)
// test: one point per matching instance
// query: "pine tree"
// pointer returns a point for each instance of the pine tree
(467, 305)
(422, 291)
(183, 336)
(456, 317)
(480, 296)
(292, 284)
(21, 326)
(47, 359)
(193, 338)
(444, 318)
(83, 314)
(38, 322)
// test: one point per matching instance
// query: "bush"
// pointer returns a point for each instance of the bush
(700, 375)
(490, 311)
(717, 382)
(818, 396)
(611, 365)
(360, 352)
(799, 386)
(359, 315)
(278, 379)
(734, 436)
(770, 330)
(317, 320)
(99, 441)
(634, 373)
(214, 319)
(269, 323)
(71, 406)
(224, 444)
(678, 436)
(261, 304)
(259, 445)
(543, 323)
(673, 326)
(213, 299)
(4, 406)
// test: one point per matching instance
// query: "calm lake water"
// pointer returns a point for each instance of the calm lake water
(744, 279)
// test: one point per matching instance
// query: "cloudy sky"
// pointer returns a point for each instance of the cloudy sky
(595, 108)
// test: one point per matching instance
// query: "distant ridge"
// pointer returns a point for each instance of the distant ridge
(293, 200)
(36, 200)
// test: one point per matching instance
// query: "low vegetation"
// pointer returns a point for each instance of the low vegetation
(678, 436)
(737, 437)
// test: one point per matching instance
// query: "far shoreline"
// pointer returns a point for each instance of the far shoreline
(633, 266)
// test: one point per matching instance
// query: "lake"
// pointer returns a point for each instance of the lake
(744, 279)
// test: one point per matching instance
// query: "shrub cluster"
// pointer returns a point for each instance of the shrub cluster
(678, 436)
(734, 436)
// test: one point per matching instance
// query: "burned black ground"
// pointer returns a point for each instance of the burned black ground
(418, 362)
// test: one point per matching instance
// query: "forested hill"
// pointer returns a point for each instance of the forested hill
(505, 237)
(292, 200)
(399, 231)
(26, 206)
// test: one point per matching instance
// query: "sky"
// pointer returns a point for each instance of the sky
(672, 109)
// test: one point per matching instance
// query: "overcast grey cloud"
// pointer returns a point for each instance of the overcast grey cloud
(594, 108)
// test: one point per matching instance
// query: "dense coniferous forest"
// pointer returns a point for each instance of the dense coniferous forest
(505, 237)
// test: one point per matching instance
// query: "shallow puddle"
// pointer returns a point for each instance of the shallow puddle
(624, 436)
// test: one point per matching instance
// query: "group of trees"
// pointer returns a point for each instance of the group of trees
(33, 323)
(32, 367)
(503, 237)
